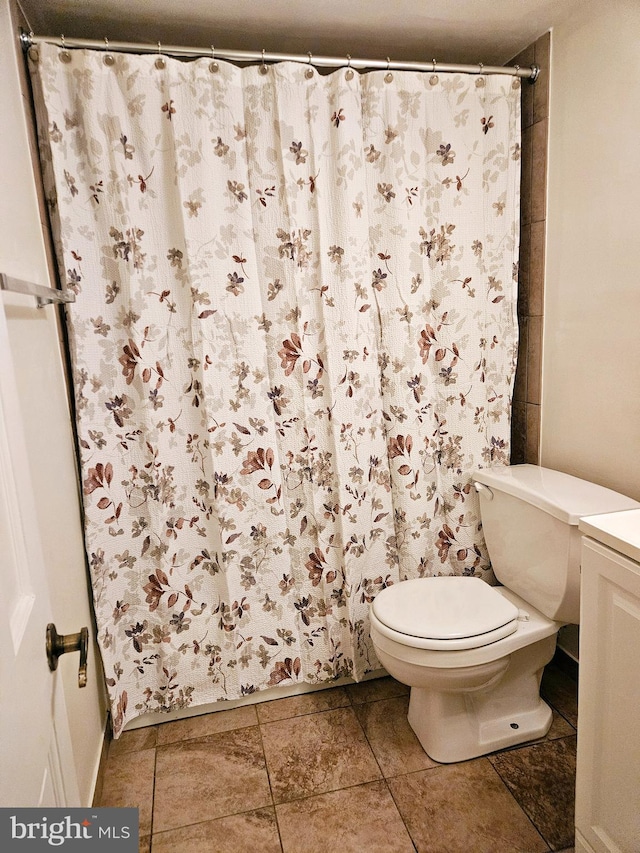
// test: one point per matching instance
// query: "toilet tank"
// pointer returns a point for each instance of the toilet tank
(530, 522)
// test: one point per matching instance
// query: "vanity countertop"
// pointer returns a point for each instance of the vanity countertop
(618, 530)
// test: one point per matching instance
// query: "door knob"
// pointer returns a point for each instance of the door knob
(60, 644)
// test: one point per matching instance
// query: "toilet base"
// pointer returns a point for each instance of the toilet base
(459, 725)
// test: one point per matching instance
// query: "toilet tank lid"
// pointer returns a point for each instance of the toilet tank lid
(561, 495)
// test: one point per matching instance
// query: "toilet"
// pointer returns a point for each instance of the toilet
(473, 654)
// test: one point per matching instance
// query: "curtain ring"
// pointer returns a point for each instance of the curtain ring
(64, 55)
(108, 58)
(213, 65)
(480, 81)
(34, 53)
(433, 63)
(434, 77)
(349, 72)
(516, 81)
(309, 72)
(263, 67)
(388, 77)
(160, 60)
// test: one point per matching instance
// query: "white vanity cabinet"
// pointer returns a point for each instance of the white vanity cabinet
(608, 764)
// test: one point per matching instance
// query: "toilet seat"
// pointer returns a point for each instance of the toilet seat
(444, 613)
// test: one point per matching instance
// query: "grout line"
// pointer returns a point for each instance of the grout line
(369, 744)
(266, 767)
(415, 847)
(153, 792)
(331, 791)
(513, 797)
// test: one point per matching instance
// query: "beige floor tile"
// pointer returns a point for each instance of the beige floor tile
(134, 741)
(317, 753)
(459, 808)
(207, 724)
(251, 832)
(208, 778)
(542, 780)
(128, 782)
(144, 845)
(377, 688)
(391, 738)
(559, 727)
(296, 706)
(363, 818)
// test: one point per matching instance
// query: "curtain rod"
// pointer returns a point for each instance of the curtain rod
(28, 39)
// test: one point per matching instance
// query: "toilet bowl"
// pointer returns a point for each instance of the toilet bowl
(474, 654)
(466, 702)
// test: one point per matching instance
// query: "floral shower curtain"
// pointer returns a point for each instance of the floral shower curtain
(294, 336)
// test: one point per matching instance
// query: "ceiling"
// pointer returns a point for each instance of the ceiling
(467, 31)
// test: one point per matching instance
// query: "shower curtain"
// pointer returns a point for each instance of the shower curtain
(294, 336)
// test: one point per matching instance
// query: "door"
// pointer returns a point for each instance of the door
(36, 767)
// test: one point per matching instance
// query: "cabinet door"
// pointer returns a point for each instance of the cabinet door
(608, 764)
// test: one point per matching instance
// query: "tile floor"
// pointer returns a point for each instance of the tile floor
(340, 771)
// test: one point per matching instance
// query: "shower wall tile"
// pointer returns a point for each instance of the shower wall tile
(536, 269)
(539, 171)
(520, 385)
(524, 270)
(525, 423)
(532, 440)
(518, 431)
(526, 174)
(542, 52)
(534, 355)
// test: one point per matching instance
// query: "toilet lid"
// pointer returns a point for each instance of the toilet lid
(444, 608)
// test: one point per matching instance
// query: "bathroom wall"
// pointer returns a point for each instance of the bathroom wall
(591, 356)
(36, 353)
(525, 426)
